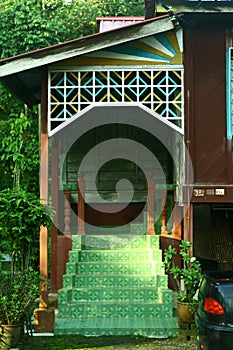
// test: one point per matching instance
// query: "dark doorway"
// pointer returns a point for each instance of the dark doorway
(213, 236)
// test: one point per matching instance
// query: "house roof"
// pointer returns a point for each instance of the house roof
(21, 74)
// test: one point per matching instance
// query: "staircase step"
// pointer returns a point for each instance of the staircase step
(115, 285)
(73, 281)
(109, 293)
(138, 229)
(128, 254)
(114, 268)
(114, 241)
(151, 294)
(146, 326)
(98, 230)
(114, 309)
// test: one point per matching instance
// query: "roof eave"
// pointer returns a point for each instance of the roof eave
(78, 47)
(27, 96)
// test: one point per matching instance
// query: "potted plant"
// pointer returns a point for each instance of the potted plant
(18, 291)
(21, 215)
(186, 279)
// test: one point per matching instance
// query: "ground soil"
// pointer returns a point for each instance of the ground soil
(185, 341)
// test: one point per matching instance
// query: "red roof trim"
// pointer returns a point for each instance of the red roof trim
(117, 18)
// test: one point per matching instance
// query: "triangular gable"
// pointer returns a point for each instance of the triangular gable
(163, 48)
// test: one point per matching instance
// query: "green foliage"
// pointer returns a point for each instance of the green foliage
(21, 215)
(19, 152)
(9, 104)
(189, 273)
(32, 24)
(25, 27)
(18, 291)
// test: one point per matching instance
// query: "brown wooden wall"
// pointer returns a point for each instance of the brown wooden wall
(205, 110)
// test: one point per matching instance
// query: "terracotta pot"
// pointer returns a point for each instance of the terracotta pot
(9, 336)
(186, 311)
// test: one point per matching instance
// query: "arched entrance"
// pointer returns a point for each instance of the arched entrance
(131, 142)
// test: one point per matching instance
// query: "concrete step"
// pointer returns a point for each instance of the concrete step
(157, 327)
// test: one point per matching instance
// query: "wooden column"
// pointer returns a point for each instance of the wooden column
(150, 204)
(164, 213)
(43, 230)
(54, 228)
(176, 224)
(188, 222)
(67, 220)
(81, 203)
(43, 268)
(44, 316)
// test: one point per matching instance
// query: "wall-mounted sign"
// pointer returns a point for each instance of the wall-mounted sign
(220, 191)
(201, 192)
(198, 192)
(210, 192)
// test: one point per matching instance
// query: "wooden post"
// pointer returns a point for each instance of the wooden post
(164, 214)
(54, 228)
(188, 223)
(67, 231)
(176, 224)
(44, 316)
(81, 203)
(150, 205)
(44, 160)
(43, 230)
(43, 268)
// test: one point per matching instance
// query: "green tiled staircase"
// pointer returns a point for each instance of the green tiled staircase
(115, 285)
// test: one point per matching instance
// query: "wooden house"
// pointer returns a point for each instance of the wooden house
(149, 102)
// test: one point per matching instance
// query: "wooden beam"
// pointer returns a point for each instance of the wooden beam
(44, 194)
(151, 205)
(176, 222)
(188, 222)
(67, 213)
(54, 228)
(43, 230)
(164, 213)
(81, 203)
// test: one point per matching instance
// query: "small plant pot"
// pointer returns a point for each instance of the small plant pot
(186, 312)
(9, 336)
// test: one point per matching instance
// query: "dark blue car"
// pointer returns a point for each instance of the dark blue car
(214, 317)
